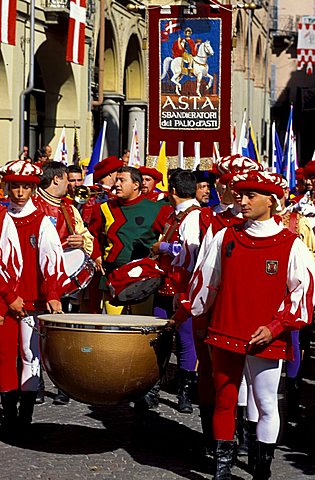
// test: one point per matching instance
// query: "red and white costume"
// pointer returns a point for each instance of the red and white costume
(241, 269)
(42, 279)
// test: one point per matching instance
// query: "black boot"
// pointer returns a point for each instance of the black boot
(265, 454)
(206, 416)
(187, 381)
(61, 398)
(293, 398)
(242, 431)
(27, 402)
(224, 452)
(150, 399)
(9, 402)
(40, 397)
(252, 445)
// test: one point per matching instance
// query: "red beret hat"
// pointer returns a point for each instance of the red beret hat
(105, 167)
(234, 164)
(262, 182)
(299, 174)
(309, 169)
(152, 172)
(21, 171)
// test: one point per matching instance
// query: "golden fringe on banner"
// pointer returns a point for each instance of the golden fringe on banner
(172, 162)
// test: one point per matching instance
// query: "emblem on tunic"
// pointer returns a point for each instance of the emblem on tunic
(33, 240)
(272, 267)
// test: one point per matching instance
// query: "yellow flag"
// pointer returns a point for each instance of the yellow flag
(161, 166)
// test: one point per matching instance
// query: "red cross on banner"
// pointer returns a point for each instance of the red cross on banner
(7, 21)
(76, 32)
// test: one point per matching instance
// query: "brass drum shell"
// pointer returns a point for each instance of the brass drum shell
(96, 364)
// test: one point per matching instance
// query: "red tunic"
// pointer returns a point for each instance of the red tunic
(52, 209)
(240, 293)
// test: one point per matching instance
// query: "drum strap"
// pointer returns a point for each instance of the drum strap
(67, 218)
(177, 220)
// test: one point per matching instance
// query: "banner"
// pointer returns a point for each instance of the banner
(306, 44)
(7, 21)
(190, 79)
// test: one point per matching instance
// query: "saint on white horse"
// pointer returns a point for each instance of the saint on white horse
(199, 68)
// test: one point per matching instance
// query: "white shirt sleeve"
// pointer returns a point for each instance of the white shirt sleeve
(189, 237)
(206, 278)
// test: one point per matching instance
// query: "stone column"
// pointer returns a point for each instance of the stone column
(137, 114)
(111, 111)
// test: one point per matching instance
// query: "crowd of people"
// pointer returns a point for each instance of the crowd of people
(236, 284)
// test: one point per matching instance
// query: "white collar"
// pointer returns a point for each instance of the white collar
(17, 211)
(266, 228)
(186, 204)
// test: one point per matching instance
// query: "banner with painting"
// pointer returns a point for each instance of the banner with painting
(190, 79)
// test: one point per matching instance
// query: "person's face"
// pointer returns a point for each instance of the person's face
(25, 152)
(109, 180)
(74, 180)
(61, 185)
(203, 192)
(308, 185)
(125, 159)
(256, 206)
(20, 193)
(148, 184)
(313, 182)
(300, 184)
(48, 151)
(126, 189)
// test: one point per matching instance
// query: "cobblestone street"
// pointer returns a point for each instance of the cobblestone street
(84, 442)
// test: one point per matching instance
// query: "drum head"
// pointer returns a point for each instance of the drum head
(73, 260)
(86, 320)
(138, 291)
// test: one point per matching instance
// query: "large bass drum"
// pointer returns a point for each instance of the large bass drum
(101, 359)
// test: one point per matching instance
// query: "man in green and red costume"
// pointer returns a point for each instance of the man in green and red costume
(123, 229)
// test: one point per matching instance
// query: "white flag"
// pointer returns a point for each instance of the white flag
(61, 153)
(134, 157)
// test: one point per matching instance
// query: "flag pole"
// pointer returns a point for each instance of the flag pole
(31, 75)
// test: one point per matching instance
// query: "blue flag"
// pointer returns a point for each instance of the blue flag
(289, 159)
(97, 155)
(252, 148)
(277, 153)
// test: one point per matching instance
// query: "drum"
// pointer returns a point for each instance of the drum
(80, 269)
(101, 359)
(134, 281)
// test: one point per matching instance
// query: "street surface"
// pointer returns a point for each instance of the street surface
(78, 441)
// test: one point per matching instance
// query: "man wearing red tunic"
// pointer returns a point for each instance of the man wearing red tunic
(40, 284)
(258, 278)
(150, 178)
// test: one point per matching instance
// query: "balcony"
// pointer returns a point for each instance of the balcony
(55, 9)
(284, 33)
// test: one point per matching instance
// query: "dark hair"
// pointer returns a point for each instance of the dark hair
(74, 169)
(134, 174)
(184, 184)
(40, 153)
(51, 170)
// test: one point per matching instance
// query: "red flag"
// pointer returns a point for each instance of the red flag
(7, 21)
(76, 32)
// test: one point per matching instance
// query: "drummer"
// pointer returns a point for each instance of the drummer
(64, 216)
(104, 175)
(41, 284)
(123, 228)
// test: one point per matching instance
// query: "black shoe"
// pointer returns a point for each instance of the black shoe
(224, 453)
(150, 400)
(187, 381)
(61, 398)
(40, 398)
